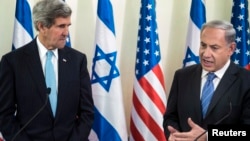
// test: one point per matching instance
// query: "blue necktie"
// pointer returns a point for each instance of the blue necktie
(51, 81)
(207, 93)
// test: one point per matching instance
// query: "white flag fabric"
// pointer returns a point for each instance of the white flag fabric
(110, 122)
(197, 18)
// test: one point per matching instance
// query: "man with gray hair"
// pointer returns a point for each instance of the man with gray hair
(45, 88)
(216, 91)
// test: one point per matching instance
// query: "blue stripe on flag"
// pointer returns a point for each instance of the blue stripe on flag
(198, 13)
(23, 15)
(23, 29)
(106, 18)
(101, 126)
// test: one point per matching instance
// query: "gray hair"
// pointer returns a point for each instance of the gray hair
(46, 11)
(230, 33)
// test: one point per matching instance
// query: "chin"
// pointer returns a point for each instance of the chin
(61, 47)
(208, 68)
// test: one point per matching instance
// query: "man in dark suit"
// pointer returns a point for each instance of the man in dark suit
(24, 91)
(230, 102)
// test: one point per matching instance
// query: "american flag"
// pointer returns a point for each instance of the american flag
(239, 20)
(110, 122)
(23, 29)
(149, 97)
(197, 18)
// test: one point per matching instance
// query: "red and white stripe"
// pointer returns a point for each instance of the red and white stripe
(149, 105)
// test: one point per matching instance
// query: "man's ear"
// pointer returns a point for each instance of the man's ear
(232, 48)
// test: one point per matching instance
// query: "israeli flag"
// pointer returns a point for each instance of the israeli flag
(197, 18)
(23, 29)
(110, 122)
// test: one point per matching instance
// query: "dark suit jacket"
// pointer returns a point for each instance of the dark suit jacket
(184, 99)
(23, 88)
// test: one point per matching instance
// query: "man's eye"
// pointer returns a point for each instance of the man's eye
(203, 45)
(214, 48)
(61, 26)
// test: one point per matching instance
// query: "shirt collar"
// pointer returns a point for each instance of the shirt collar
(218, 73)
(43, 50)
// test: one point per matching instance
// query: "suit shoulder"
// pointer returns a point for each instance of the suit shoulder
(29, 46)
(74, 51)
(244, 72)
(14, 53)
(189, 69)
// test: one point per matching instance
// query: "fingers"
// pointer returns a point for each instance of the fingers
(172, 130)
(195, 131)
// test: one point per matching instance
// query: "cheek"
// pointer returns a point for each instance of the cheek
(54, 37)
(54, 33)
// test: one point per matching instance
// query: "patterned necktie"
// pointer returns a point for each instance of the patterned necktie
(51, 81)
(207, 93)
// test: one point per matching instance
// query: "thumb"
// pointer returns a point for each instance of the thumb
(191, 123)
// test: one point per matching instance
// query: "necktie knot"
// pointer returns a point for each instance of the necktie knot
(210, 76)
(49, 54)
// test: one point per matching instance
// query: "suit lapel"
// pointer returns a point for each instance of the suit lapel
(63, 70)
(227, 80)
(196, 91)
(35, 68)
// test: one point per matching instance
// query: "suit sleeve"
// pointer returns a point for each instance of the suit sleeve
(86, 109)
(171, 114)
(9, 126)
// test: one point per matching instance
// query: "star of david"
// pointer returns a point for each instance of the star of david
(104, 68)
(190, 56)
